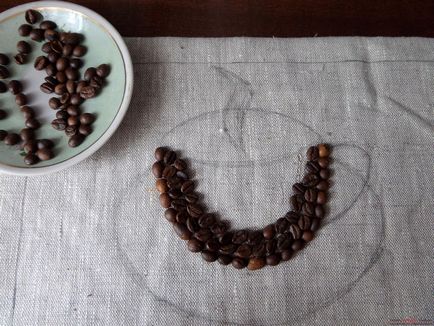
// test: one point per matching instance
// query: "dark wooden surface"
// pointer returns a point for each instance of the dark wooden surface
(280, 18)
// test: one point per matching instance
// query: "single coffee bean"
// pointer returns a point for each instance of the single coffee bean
(322, 198)
(62, 114)
(297, 245)
(24, 30)
(268, 231)
(23, 47)
(71, 38)
(62, 64)
(88, 92)
(254, 238)
(209, 256)
(225, 238)
(239, 263)
(15, 87)
(27, 112)
(71, 73)
(323, 185)
(220, 227)
(32, 16)
(292, 217)
(182, 231)
(3, 114)
(65, 100)
(304, 222)
(41, 63)
(194, 210)
(20, 99)
(27, 134)
(207, 220)
(67, 50)
(323, 150)
(286, 255)
(12, 139)
(3, 134)
(44, 154)
(71, 131)
(53, 57)
(323, 162)
(46, 47)
(295, 231)
(173, 182)
(48, 24)
(314, 226)
(174, 193)
(310, 180)
(157, 169)
(182, 217)
(324, 174)
(20, 58)
(283, 242)
(273, 260)
(31, 159)
(270, 246)
(87, 118)
(224, 259)
(212, 245)
(194, 245)
(319, 211)
(180, 164)
(103, 70)
(60, 89)
(203, 235)
(255, 263)
(32, 123)
(169, 157)
(298, 189)
(169, 171)
(80, 86)
(47, 88)
(165, 200)
(96, 82)
(228, 249)
(161, 185)
(85, 130)
(51, 35)
(54, 103)
(187, 187)
(45, 144)
(307, 236)
(192, 224)
(76, 63)
(240, 236)
(71, 86)
(30, 146)
(312, 167)
(159, 153)
(4, 72)
(76, 99)
(89, 73)
(59, 124)
(170, 215)
(73, 121)
(79, 51)
(310, 195)
(4, 59)
(282, 225)
(296, 202)
(3, 87)
(37, 34)
(312, 153)
(258, 250)
(308, 209)
(191, 198)
(243, 251)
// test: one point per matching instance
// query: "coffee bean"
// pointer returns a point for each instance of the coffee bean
(71, 73)
(182, 217)
(312, 167)
(44, 154)
(165, 200)
(32, 16)
(170, 215)
(169, 171)
(182, 175)
(203, 235)
(296, 202)
(225, 238)
(157, 169)
(316, 222)
(187, 187)
(50, 70)
(103, 70)
(270, 246)
(282, 225)
(239, 263)
(41, 63)
(53, 56)
(240, 236)
(310, 195)
(96, 82)
(312, 153)
(45, 143)
(319, 211)
(324, 174)
(308, 209)
(322, 198)
(71, 38)
(62, 114)
(46, 47)
(286, 255)
(224, 259)
(79, 51)
(207, 220)
(209, 256)
(323, 150)
(258, 250)
(161, 185)
(59, 124)
(24, 30)
(23, 47)
(180, 165)
(304, 222)
(20, 99)
(27, 134)
(283, 242)
(268, 231)
(295, 231)
(30, 146)
(27, 112)
(192, 224)
(76, 140)
(297, 245)
(31, 159)
(4, 72)
(51, 35)
(67, 50)
(60, 89)
(48, 24)
(310, 180)
(62, 64)
(179, 204)
(324, 162)
(194, 210)
(3, 134)
(255, 263)
(3, 87)
(212, 245)
(292, 217)
(243, 251)
(76, 99)
(182, 231)
(169, 157)
(12, 139)
(174, 193)
(37, 34)
(15, 87)
(194, 245)
(3, 114)
(20, 58)
(298, 189)
(192, 198)
(32, 123)
(227, 249)
(85, 130)
(323, 185)
(87, 92)
(87, 118)
(89, 73)
(219, 227)
(71, 131)
(80, 86)
(254, 238)
(54, 103)
(47, 88)
(273, 260)
(307, 236)
(174, 182)
(159, 153)
(4, 59)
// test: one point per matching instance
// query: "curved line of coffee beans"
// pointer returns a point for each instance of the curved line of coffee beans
(253, 249)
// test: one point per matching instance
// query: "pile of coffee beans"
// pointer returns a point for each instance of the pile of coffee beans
(253, 249)
(61, 62)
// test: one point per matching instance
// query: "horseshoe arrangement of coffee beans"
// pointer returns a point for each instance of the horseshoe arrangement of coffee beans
(61, 62)
(253, 249)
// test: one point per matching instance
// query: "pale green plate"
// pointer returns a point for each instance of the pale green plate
(104, 46)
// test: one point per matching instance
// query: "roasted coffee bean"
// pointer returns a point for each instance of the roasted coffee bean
(307, 236)
(48, 24)
(324, 174)
(192, 198)
(45, 143)
(71, 86)
(3, 134)
(225, 238)
(20, 58)
(87, 118)
(103, 70)
(310, 195)
(169, 157)
(194, 245)
(96, 82)
(4, 72)
(44, 154)
(273, 260)
(179, 204)
(4, 59)
(187, 187)
(47, 88)
(243, 251)
(3, 87)
(76, 99)
(30, 146)
(255, 263)
(254, 238)
(182, 217)
(174, 193)
(67, 50)
(286, 255)
(209, 256)
(182, 231)
(85, 130)
(203, 235)
(3, 114)
(240, 236)
(304, 222)
(51, 35)
(79, 51)
(89, 73)
(297, 245)
(27, 112)
(31, 159)
(310, 180)
(239, 263)
(212, 245)
(170, 215)
(315, 224)
(292, 217)
(270, 246)
(76, 140)
(71, 73)
(37, 34)
(323, 162)
(157, 169)
(259, 250)
(322, 198)
(53, 57)
(159, 153)
(87, 92)
(319, 211)
(180, 165)
(323, 150)
(296, 202)
(182, 175)
(169, 171)
(41, 63)
(71, 131)
(54, 103)
(12, 139)
(298, 189)
(23, 47)
(268, 231)
(283, 242)
(60, 89)
(15, 87)
(224, 259)
(308, 209)
(32, 123)
(323, 185)
(20, 99)
(62, 64)
(76, 63)
(192, 224)
(73, 121)
(71, 38)
(312, 167)
(59, 124)
(295, 231)
(282, 225)
(24, 30)
(194, 210)
(174, 182)
(32, 16)
(161, 185)
(46, 47)
(227, 249)
(27, 134)
(165, 200)
(207, 220)
(312, 153)
(220, 227)
(62, 114)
